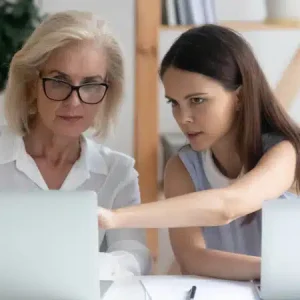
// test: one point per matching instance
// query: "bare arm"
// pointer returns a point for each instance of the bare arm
(188, 243)
(273, 175)
(195, 259)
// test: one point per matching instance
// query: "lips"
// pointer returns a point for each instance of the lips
(193, 134)
(70, 118)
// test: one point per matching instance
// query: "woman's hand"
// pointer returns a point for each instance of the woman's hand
(106, 218)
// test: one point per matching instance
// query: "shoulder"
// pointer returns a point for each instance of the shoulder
(276, 146)
(175, 166)
(279, 153)
(177, 180)
(115, 158)
(176, 171)
(271, 139)
(7, 133)
(10, 144)
(115, 162)
(188, 156)
(181, 163)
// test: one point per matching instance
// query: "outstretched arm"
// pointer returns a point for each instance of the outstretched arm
(273, 175)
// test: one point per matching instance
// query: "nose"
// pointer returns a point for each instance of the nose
(185, 116)
(73, 99)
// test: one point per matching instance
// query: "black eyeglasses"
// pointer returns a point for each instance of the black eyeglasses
(59, 90)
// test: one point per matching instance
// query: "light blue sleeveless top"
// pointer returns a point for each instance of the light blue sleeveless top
(233, 237)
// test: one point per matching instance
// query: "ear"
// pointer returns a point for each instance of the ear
(238, 90)
(32, 88)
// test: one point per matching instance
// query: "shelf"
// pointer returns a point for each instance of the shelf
(242, 26)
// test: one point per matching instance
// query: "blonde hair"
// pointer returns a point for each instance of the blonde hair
(55, 32)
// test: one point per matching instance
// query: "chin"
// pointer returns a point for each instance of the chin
(69, 131)
(200, 146)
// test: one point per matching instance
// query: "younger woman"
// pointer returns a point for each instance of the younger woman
(243, 149)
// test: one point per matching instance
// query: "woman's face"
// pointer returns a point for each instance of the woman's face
(68, 113)
(203, 109)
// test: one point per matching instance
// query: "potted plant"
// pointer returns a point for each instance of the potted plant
(17, 21)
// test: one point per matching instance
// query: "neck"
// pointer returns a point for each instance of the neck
(56, 150)
(226, 156)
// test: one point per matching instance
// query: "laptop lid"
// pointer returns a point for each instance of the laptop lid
(280, 267)
(49, 245)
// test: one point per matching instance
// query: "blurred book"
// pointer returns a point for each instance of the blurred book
(182, 12)
(169, 12)
(188, 12)
(209, 11)
(196, 9)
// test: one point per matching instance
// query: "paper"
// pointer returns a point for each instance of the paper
(177, 288)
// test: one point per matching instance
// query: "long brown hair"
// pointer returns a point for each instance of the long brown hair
(222, 54)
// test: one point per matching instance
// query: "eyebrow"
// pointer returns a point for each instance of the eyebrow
(187, 96)
(169, 98)
(194, 95)
(88, 78)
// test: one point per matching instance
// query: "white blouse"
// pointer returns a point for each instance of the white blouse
(110, 174)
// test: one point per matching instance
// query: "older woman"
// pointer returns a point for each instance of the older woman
(67, 78)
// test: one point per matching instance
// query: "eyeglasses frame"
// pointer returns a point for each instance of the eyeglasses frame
(73, 88)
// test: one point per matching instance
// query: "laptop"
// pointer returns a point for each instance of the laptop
(280, 266)
(49, 245)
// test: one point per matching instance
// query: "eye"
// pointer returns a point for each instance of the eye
(197, 100)
(172, 102)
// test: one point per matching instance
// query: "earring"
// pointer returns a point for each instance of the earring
(32, 110)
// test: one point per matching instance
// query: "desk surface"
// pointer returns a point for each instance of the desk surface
(176, 288)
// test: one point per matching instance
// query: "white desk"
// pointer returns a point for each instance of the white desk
(176, 288)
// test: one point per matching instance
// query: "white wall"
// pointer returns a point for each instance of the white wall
(121, 21)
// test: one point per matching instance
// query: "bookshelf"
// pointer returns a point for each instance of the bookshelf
(240, 26)
(146, 139)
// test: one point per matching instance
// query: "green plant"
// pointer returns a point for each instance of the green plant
(18, 19)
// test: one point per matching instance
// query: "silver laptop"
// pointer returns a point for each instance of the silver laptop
(49, 246)
(280, 267)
